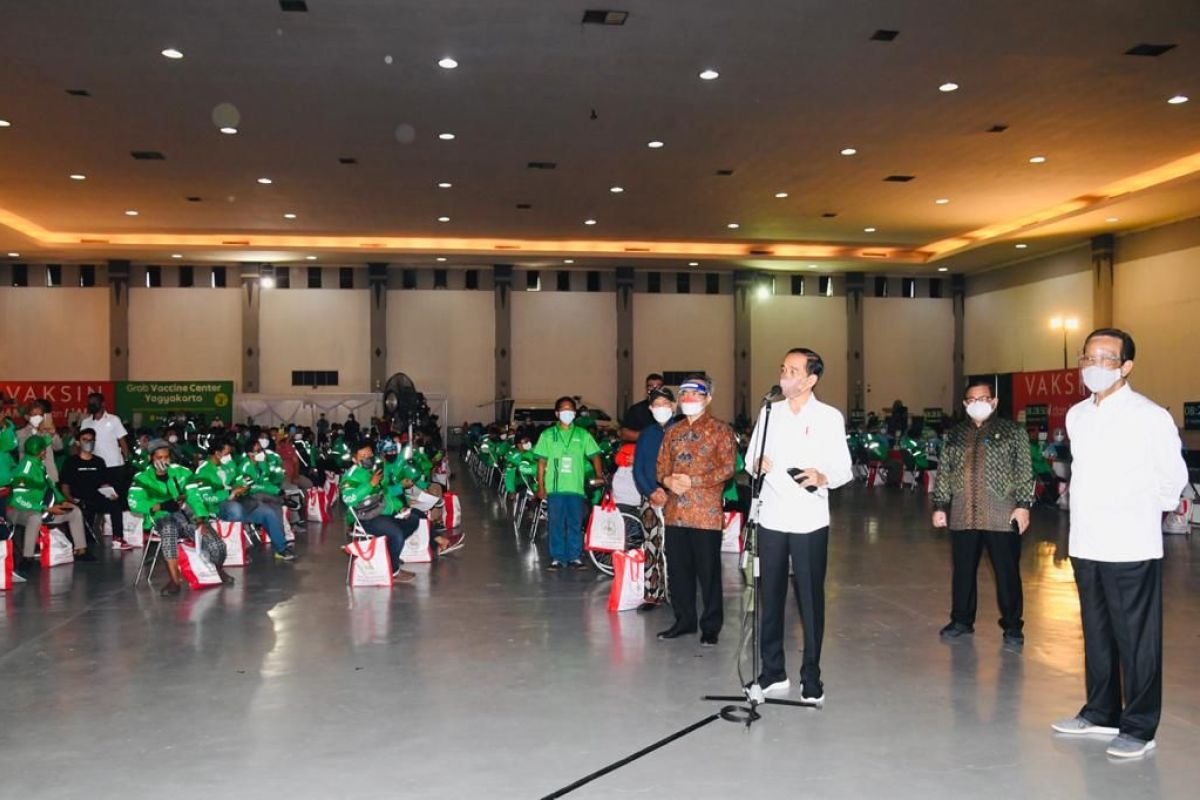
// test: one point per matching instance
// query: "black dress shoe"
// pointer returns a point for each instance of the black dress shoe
(708, 639)
(1014, 637)
(955, 630)
(674, 632)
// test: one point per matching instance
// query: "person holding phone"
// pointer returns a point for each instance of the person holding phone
(380, 514)
(805, 456)
(983, 494)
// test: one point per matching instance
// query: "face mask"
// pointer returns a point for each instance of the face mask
(368, 464)
(566, 417)
(526, 445)
(161, 466)
(226, 459)
(692, 409)
(260, 456)
(87, 447)
(264, 443)
(94, 407)
(662, 414)
(1099, 380)
(299, 437)
(791, 387)
(36, 420)
(979, 410)
(1059, 438)
(172, 439)
(390, 458)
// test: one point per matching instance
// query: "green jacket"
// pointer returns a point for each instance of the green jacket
(355, 487)
(8, 447)
(340, 454)
(148, 491)
(265, 477)
(394, 475)
(210, 487)
(31, 486)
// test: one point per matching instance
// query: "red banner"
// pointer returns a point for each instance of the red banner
(68, 399)
(1057, 389)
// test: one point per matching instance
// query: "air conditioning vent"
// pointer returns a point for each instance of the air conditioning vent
(147, 155)
(297, 6)
(883, 35)
(1151, 50)
(602, 17)
(899, 178)
(542, 165)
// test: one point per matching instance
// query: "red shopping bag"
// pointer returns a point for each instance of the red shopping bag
(629, 580)
(56, 547)
(606, 527)
(234, 536)
(6, 565)
(453, 507)
(198, 571)
(369, 564)
(331, 489)
(731, 535)
(418, 547)
(318, 508)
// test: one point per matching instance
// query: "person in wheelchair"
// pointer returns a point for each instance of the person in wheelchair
(363, 491)
(216, 489)
(37, 501)
(159, 494)
(88, 482)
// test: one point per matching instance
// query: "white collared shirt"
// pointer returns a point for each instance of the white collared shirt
(1127, 469)
(109, 431)
(813, 438)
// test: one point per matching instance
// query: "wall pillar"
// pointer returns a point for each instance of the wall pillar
(743, 297)
(1103, 252)
(377, 278)
(503, 275)
(856, 370)
(624, 339)
(251, 304)
(118, 320)
(958, 293)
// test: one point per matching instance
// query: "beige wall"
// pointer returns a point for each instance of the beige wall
(565, 343)
(443, 340)
(315, 329)
(54, 333)
(1007, 314)
(781, 322)
(908, 346)
(185, 334)
(1157, 299)
(685, 332)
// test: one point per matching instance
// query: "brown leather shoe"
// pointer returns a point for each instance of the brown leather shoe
(171, 587)
(403, 576)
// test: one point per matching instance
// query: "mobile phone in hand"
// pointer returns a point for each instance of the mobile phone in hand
(797, 475)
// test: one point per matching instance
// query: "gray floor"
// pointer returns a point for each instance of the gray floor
(490, 678)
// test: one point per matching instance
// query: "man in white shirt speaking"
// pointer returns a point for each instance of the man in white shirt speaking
(805, 456)
(1128, 469)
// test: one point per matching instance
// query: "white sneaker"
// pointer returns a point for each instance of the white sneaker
(1078, 726)
(778, 688)
(815, 702)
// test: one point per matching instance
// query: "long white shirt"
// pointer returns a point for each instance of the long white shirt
(813, 438)
(1127, 469)
(109, 431)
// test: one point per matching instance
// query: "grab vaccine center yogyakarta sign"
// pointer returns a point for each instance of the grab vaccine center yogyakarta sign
(1056, 390)
(149, 402)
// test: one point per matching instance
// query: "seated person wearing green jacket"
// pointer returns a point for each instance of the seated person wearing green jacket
(262, 472)
(215, 491)
(404, 481)
(35, 498)
(362, 490)
(159, 495)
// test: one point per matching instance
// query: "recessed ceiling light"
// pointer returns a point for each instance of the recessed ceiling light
(941, 201)
(943, 269)
(448, 63)
(131, 213)
(446, 137)
(568, 261)
(77, 176)
(709, 75)
(868, 230)
(949, 86)
(443, 219)
(289, 215)
(1113, 219)
(172, 53)
(1178, 99)
(812, 266)
(228, 130)
(848, 151)
(1037, 160)
(589, 222)
(5, 123)
(1021, 246)
(310, 258)
(441, 259)
(654, 144)
(617, 189)
(176, 255)
(14, 255)
(693, 263)
(445, 185)
(733, 226)
(265, 181)
(780, 195)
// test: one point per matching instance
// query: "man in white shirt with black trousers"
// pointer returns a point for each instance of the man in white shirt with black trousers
(809, 438)
(1128, 469)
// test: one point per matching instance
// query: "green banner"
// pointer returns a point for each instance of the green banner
(151, 402)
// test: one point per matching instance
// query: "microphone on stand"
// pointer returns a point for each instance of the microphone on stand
(774, 394)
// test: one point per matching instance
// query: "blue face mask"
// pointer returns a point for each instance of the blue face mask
(566, 416)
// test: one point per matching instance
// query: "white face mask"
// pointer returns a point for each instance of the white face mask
(260, 456)
(1099, 380)
(979, 410)
(227, 458)
(662, 414)
(526, 445)
(566, 417)
(36, 420)
(1059, 438)
(172, 439)
(692, 409)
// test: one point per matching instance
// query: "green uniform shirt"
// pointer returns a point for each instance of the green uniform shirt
(210, 486)
(566, 453)
(355, 487)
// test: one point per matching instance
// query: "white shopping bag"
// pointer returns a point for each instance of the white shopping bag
(56, 547)
(417, 547)
(317, 507)
(288, 534)
(234, 536)
(135, 534)
(198, 571)
(731, 534)
(369, 565)
(629, 580)
(606, 528)
(6, 565)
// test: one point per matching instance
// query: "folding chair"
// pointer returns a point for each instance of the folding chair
(152, 542)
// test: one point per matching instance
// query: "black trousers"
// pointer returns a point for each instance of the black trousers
(809, 554)
(694, 556)
(114, 509)
(1004, 551)
(1120, 604)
